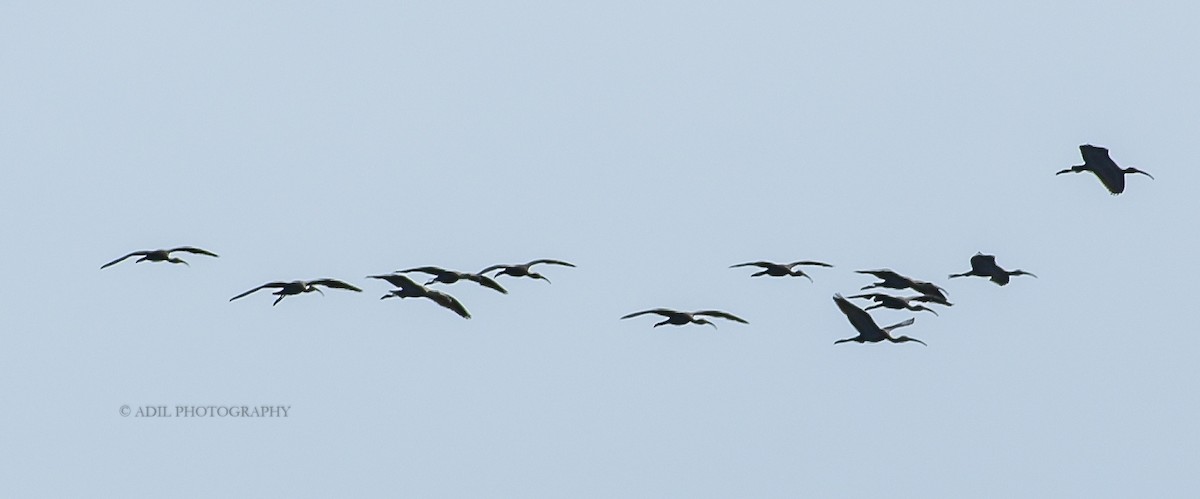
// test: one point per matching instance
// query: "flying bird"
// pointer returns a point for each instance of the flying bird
(1097, 161)
(985, 266)
(522, 270)
(161, 255)
(410, 289)
(678, 318)
(451, 276)
(892, 280)
(781, 269)
(299, 287)
(896, 302)
(868, 331)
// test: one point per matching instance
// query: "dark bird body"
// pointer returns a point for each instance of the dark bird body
(451, 276)
(895, 302)
(985, 266)
(299, 287)
(410, 289)
(160, 255)
(868, 330)
(522, 270)
(781, 269)
(1097, 161)
(892, 280)
(678, 318)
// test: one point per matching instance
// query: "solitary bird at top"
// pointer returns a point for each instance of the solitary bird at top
(161, 255)
(1096, 160)
(451, 276)
(868, 331)
(298, 287)
(781, 269)
(522, 270)
(985, 266)
(410, 289)
(678, 318)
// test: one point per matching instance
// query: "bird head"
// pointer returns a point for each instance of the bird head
(703, 321)
(178, 260)
(536, 275)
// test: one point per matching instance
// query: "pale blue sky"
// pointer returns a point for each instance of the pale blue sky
(653, 144)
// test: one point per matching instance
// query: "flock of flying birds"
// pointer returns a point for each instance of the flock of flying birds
(1096, 160)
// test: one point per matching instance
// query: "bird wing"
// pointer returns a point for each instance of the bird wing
(192, 249)
(982, 263)
(397, 280)
(752, 264)
(897, 325)
(333, 283)
(1094, 154)
(859, 318)
(809, 262)
(427, 270)
(449, 302)
(870, 296)
(723, 315)
(277, 284)
(882, 273)
(665, 312)
(930, 299)
(1104, 167)
(114, 262)
(486, 282)
(552, 262)
(494, 267)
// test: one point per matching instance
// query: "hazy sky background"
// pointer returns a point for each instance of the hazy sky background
(652, 144)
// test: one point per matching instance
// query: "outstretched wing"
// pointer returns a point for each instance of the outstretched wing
(752, 264)
(277, 284)
(119, 260)
(982, 263)
(485, 281)
(427, 270)
(1094, 154)
(333, 283)
(552, 262)
(881, 273)
(192, 249)
(723, 315)
(494, 267)
(449, 302)
(665, 312)
(897, 325)
(397, 280)
(859, 318)
(809, 262)
(870, 296)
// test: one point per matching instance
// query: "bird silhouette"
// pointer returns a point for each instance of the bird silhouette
(896, 302)
(452, 276)
(892, 280)
(868, 331)
(161, 255)
(678, 318)
(781, 269)
(410, 289)
(299, 287)
(522, 270)
(985, 266)
(1097, 161)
